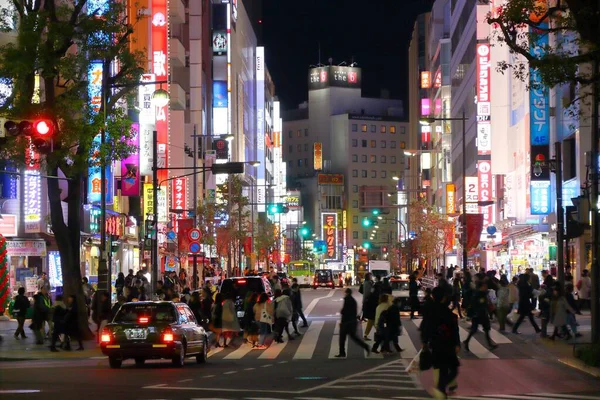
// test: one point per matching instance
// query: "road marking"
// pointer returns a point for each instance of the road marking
(99, 358)
(497, 337)
(19, 391)
(229, 372)
(214, 351)
(314, 302)
(185, 380)
(564, 395)
(273, 351)
(309, 341)
(249, 369)
(410, 351)
(370, 379)
(417, 322)
(266, 365)
(282, 362)
(378, 387)
(239, 352)
(208, 376)
(334, 348)
(475, 347)
(220, 389)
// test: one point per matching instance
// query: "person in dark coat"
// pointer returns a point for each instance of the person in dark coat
(20, 311)
(386, 287)
(349, 324)
(115, 308)
(297, 303)
(439, 334)
(120, 284)
(480, 315)
(413, 294)
(101, 309)
(525, 306)
(72, 323)
(370, 307)
(58, 317)
(393, 326)
(41, 313)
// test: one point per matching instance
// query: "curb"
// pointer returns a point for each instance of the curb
(581, 366)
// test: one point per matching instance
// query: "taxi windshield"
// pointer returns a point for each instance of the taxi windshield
(399, 285)
(132, 312)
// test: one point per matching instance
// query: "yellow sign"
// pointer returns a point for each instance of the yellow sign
(148, 200)
(450, 198)
(344, 219)
(318, 147)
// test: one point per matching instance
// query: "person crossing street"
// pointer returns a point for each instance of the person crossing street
(349, 324)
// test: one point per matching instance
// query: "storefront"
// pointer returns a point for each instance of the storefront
(26, 261)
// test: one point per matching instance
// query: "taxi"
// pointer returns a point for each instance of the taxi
(400, 291)
(154, 330)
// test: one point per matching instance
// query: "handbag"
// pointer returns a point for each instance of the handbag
(265, 316)
(425, 360)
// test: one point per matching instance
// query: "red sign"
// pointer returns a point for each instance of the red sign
(425, 80)
(114, 226)
(330, 179)
(160, 68)
(183, 228)
(484, 173)
(179, 194)
(329, 223)
(474, 228)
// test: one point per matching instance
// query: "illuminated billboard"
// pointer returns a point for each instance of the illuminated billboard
(484, 127)
(334, 76)
(329, 233)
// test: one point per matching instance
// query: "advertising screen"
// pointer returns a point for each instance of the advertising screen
(334, 76)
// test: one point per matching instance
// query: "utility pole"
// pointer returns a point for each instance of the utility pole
(595, 293)
(559, 214)
(155, 266)
(464, 192)
(195, 208)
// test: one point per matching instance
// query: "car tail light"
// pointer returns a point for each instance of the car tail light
(105, 336)
(143, 320)
(241, 281)
(168, 336)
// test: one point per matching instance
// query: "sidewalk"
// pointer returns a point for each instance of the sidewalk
(12, 349)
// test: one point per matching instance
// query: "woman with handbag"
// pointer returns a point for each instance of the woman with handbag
(230, 326)
(263, 313)
(216, 321)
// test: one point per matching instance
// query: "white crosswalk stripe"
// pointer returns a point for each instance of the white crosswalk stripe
(239, 353)
(309, 341)
(474, 346)
(497, 337)
(410, 350)
(273, 351)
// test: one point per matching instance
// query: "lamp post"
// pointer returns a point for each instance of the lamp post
(427, 121)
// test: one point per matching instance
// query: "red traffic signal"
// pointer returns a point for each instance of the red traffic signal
(43, 127)
(40, 131)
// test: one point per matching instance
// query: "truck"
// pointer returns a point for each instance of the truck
(379, 268)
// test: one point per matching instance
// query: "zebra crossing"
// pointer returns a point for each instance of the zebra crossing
(321, 341)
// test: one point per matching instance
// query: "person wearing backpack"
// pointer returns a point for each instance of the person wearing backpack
(283, 315)
(263, 313)
(380, 322)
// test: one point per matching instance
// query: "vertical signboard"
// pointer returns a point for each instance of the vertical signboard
(484, 172)
(147, 123)
(539, 130)
(260, 124)
(318, 156)
(130, 166)
(484, 141)
(425, 79)
(160, 68)
(179, 194)
(472, 192)
(450, 198)
(149, 202)
(330, 235)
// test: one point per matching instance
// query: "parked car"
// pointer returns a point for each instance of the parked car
(154, 329)
(323, 278)
(240, 286)
(400, 291)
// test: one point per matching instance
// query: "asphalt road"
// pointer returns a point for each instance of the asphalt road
(304, 369)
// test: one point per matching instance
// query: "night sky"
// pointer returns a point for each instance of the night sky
(375, 33)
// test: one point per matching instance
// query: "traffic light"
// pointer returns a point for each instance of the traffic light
(150, 229)
(304, 232)
(375, 212)
(40, 131)
(367, 245)
(277, 208)
(366, 222)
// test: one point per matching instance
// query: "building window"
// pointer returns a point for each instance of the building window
(383, 174)
(306, 162)
(290, 149)
(355, 220)
(364, 143)
(354, 234)
(299, 148)
(305, 132)
(393, 159)
(393, 129)
(402, 130)
(305, 146)
(290, 134)
(354, 128)
(354, 203)
(382, 159)
(373, 144)
(363, 127)
(354, 157)
(373, 173)
(383, 144)
(382, 128)
(364, 173)
(354, 188)
(355, 173)
(402, 144)
(354, 143)
(365, 234)
(393, 144)
(373, 158)
(373, 128)
(298, 134)
(333, 202)
(363, 158)
(299, 162)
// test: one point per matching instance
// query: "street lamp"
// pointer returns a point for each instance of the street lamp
(429, 121)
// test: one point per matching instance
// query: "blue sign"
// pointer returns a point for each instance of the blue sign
(539, 108)
(94, 180)
(491, 230)
(195, 247)
(171, 235)
(8, 183)
(540, 198)
(220, 94)
(570, 189)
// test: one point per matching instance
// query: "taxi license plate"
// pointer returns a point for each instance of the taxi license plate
(136, 334)
(240, 314)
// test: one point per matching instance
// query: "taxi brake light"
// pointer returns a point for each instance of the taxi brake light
(143, 320)
(105, 337)
(168, 336)
(241, 281)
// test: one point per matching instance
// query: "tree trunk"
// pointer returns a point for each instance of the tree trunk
(67, 238)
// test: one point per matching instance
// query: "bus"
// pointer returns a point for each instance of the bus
(302, 270)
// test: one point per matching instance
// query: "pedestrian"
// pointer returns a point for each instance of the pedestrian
(115, 308)
(559, 309)
(250, 325)
(502, 303)
(206, 304)
(230, 326)
(370, 307)
(393, 326)
(456, 291)
(72, 323)
(120, 284)
(439, 334)
(467, 290)
(101, 309)
(349, 324)
(41, 314)
(385, 302)
(513, 293)
(525, 295)
(297, 304)
(43, 282)
(413, 294)
(545, 300)
(571, 318)
(58, 317)
(130, 279)
(365, 288)
(584, 289)
(216, 319)
(534, 280)
(386, 288)
(263, 313)
(20, 312)
(283, 315)
(480, 315)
